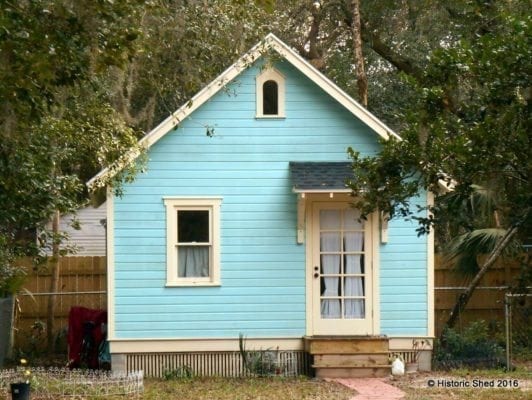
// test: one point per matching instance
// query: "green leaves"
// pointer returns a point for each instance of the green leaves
(57, 128)
(471, 122)
(49, 44)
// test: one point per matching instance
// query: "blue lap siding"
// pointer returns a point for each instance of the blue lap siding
(262, 291)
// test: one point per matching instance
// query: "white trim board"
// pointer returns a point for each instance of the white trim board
(110, 265)
(201, 345)
(270, 42)
(154, 345)
(431, 322)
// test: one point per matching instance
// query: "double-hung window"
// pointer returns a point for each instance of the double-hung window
(193, 239)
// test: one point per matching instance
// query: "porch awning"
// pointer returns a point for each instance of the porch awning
(320, 177)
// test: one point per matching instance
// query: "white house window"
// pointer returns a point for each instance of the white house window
(270, 94)
(193, 238)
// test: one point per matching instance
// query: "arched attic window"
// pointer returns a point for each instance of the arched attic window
(270, 94)
(270, 98)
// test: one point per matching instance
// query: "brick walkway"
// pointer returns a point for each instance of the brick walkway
(371, 389)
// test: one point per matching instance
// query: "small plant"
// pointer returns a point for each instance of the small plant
(418, 346)
(260, 363)
(182, 372)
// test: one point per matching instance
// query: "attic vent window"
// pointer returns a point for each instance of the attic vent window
(270, 94)
(270, 100)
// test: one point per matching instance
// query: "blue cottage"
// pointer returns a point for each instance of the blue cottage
(248, 230)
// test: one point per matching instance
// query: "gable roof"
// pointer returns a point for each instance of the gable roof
(270, 42)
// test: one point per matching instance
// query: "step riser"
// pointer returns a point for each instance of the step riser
(360, 360)
(352, 372)
(347, 347)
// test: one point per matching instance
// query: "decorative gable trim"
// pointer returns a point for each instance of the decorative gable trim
(270, 74)
(270, 42)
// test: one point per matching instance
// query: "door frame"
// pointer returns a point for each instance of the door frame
(373, 231)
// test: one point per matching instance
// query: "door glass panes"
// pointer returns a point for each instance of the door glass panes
(342, 258)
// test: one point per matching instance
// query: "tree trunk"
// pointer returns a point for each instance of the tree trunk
(362, 79)
(466, 295)
(314, 54)
(54, 284)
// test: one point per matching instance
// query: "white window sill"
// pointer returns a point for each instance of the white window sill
(270, 117)
(192, 284)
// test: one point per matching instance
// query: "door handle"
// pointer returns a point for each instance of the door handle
(316, 275)
(316, 271)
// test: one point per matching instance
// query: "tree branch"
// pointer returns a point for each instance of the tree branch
(466, 295)
(399, 61)
(374, 41)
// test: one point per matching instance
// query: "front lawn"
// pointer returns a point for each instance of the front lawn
(456, 385)
(416, 387)
(244, 389)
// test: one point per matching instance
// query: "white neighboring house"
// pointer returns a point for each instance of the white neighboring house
(90, 238)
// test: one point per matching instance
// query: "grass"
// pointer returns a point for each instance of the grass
(414, 386)
(417, 387)
(244, 389)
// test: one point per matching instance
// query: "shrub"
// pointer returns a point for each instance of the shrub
(474, 347)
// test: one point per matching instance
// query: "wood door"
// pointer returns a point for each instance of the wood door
(341, 271)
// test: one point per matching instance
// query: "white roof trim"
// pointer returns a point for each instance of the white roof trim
(321, 190)
(274, 43)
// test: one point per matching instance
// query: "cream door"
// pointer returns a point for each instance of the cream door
(341, 271)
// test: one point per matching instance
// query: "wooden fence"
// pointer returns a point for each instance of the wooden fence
(487, 302)
(83, 283)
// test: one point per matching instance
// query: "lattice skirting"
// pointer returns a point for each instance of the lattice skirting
(225, 364)
(407, 355)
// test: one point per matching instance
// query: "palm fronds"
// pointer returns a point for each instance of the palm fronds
(465, 249)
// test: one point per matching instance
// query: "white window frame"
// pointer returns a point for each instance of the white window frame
(175, 204)
(270, 74)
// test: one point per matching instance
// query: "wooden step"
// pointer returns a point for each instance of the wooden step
(349, 357)
(351, 360)
(346, 345)
(353, 366)
(375, 372)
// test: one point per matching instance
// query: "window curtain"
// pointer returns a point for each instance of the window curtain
(193, 261)
(330, 263)
(354, 285)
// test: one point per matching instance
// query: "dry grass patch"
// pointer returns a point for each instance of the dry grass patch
(244, 389)
(488, 385)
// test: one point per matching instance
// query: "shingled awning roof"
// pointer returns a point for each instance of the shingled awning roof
(320, 176)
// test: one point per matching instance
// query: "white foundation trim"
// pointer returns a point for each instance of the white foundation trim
(405, 343)
(125, 346)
